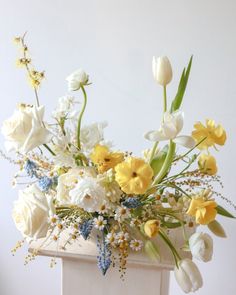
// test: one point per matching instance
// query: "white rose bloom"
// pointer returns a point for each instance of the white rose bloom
(24, 130)
(91, 135)
(188, 276)
(201, 246)
(69, 180)
(76, 79)
(31, 213)
(88, 194)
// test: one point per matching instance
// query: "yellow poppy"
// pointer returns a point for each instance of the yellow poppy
(104, 159)
(213, 134)
(207, 164)
(134, 175)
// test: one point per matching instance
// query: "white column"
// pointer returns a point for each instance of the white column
(81, 276)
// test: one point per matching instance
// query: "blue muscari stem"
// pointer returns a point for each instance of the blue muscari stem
(132, 203)
(104, 257)
(85, 228)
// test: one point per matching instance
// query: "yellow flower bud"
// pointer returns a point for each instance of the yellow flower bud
(207, 164)
(162, 70)
(151, 228)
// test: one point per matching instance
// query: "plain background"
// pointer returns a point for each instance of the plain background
(114, 41)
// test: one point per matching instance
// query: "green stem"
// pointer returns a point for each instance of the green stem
(167, 164)
(48, 148)
(164, 99)
(153, 151)
(80, 116)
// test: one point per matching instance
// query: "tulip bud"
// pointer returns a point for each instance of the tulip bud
(217, 229)
(188, 276)
(201, 246)
(162, 70)
(151, 228)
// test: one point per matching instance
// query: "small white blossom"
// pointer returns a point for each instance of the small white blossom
(121, 213)
(100, 222)
(122, 237)
(111, 239)
(136, 245)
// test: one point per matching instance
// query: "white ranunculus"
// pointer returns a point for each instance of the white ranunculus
(88, 194)
(65, 108)
(76, 79)
(31, 213)
(24, 130)
(201, 246)
(188, 276)
(170, 128)
(91, 135)
(162, 70)
(69, 180)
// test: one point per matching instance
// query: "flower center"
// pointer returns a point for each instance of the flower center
(134, 174)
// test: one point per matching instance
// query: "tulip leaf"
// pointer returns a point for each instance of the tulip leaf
(224, 212)
(176, 103)
(159, 160)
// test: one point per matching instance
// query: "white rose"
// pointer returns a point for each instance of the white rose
(162, 70)
(201, 246)
(88, 194)
(24, 130)
(76, 79)
(188, 276)
(91, 135)
(68, 181)
(31, 213)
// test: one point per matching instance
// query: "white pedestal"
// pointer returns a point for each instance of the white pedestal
(80, 274)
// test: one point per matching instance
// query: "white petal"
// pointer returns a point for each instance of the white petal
(179, 120)
(185, 140)
(155, 136)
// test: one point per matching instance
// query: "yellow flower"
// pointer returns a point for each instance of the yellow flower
(104, 159)
(207, 164)
(202, 208)
(151, 228)
(213, 134)
(134, 175)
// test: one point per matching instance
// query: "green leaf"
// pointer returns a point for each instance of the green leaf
(224, 212)
(182, 87)
(159, 160)
(152, 250)
(216, 228)
(172, 224)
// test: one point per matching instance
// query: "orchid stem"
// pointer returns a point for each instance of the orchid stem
(80, 117)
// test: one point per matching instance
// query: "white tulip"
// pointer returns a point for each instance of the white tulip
(24, 130)
(170, 128)
(162, 70)
(76, 79)
(188, 276)
(201, 246)
(31, 213)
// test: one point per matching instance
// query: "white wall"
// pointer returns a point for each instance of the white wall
(114, 41)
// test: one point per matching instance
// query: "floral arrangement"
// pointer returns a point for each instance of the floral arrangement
(77, 182)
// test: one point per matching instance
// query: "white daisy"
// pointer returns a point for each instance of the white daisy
(122, 237)
(136, 245)
(121, 213)
(100, 222)
(111, 239)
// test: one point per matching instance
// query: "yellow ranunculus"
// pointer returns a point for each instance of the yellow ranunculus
(151, 228)
(213, 134)
(104, 159)
(203, 209)
(207, 164)
(134, 175)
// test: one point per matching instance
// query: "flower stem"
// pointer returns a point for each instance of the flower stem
(167, 163)
(48, 148)
(80, 117)
(164, 99)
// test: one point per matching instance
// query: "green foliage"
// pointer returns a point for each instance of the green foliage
(182, 87)
(224, 212)
(159, 160)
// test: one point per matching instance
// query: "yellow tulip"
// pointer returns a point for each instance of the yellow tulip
(134, 175)
(203, 209)
(151, 228)
(213, 134)
(207, 164)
